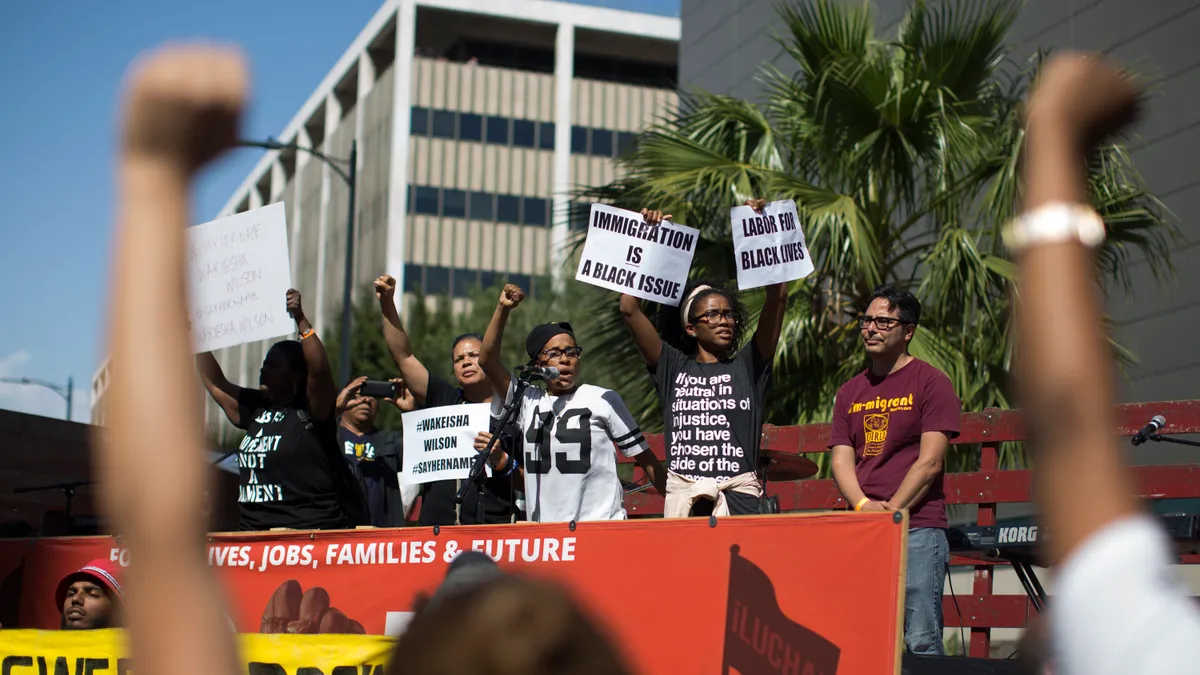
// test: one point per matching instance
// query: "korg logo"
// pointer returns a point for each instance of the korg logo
(1018, 535)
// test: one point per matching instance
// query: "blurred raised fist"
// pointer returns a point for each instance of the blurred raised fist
(183, 104)
(1084, 95)
(511, 296)
(385, 288)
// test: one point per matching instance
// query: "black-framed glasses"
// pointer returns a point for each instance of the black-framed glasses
(557, 354)
(712, 316)
(883, 323)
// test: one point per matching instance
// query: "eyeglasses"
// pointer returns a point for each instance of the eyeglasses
(557, 354)
(711, 316)
(883, 323)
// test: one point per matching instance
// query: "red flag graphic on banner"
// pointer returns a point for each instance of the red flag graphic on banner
(759, 638)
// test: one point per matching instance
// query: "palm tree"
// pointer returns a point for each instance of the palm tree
(901, 154)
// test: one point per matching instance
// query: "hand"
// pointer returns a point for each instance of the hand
(1085, 95)
(289, 611)
(404, 399)
(655, 217)
(511, 296)
(184, 105)
(497, 456)
(385, 289)
(349, 395)
(874, 507)
(756, 204)
(889, 507)
(293, 305)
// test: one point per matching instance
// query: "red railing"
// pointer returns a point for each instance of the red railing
(981, 611)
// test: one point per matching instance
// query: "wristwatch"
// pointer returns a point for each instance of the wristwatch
(1055, 223)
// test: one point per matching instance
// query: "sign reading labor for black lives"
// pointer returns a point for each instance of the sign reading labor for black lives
(626, 254)
(238, 277)
(439, 443)
(769, 246)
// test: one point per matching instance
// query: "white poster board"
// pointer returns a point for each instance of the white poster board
(769, 247)
(625, 254)
(239, 276)
(439, 443)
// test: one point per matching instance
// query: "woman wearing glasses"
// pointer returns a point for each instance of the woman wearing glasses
(711, 391)
(570, 468)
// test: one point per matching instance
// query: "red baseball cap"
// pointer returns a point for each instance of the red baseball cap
(104, 572)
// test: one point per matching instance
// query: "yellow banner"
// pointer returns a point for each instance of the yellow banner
(93, 652)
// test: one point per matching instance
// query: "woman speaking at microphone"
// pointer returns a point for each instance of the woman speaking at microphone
(712, 390)
(570, 467)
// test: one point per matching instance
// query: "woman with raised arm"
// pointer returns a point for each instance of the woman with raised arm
(1118, 607)
(438, 506)
(712, 390)
(570, 467)
(292, 471)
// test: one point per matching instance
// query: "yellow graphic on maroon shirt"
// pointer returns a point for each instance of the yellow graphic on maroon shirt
(875, 428)
(883, 405)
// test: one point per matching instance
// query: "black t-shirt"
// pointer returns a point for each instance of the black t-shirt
(292, 471)
(437, 498)
(376, 459)
(712, 416)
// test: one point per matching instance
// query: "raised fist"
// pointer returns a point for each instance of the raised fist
(1085, 95)
(293, 304)
(385, 288)
(511, 296)
(654, 217)
(291, 611)
(183, 104)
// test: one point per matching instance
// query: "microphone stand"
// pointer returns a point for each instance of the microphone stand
(1168, 439)
(68, 489)
(511, 406)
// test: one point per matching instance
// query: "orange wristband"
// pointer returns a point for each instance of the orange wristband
(859, 505)
(308, 333)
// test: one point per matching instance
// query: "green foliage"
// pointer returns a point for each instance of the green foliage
(901, 154)
(432, 326)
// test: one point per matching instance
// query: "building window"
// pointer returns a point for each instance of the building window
(523, 280)
(602, 142)
(437, 280)
(524, 134)
(470, 127)
(497, 130)
(412, 278)
(546, 135)
(487, 279)
(443, 124)
(625, 142)
(508, 209)
(579, 215)
(420, 122)
(426, 201)
(454, 203)
(579, 140)
(535, 211)
(481, 206)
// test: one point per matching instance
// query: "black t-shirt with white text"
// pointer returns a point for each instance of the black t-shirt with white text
(437, 498)
(291, 468)
(712, 416)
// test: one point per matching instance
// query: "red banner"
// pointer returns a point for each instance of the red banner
(818, 594)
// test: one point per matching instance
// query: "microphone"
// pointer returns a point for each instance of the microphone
(1156, 423)
(547, 373)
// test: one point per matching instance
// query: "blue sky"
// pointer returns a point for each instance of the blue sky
(60, 68)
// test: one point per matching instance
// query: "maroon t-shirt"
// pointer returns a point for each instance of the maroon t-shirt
(883, 418)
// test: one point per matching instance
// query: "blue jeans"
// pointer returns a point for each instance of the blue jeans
(928, 558)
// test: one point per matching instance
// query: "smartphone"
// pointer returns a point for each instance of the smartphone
(377, 389)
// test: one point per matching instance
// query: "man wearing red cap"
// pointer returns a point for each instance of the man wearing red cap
(91, 597)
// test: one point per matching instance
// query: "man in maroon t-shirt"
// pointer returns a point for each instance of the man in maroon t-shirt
(892, 424)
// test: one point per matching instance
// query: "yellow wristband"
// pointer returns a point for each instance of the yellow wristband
(859, 505)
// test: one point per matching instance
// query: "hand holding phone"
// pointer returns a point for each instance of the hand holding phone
(377, 389)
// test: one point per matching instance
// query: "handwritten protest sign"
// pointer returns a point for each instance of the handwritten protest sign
(439, 442)
(769, 246)
(238, 274)
(624, 253)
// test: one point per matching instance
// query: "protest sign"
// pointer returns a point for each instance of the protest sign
(769, 247)
(624, 253)
(238, 277)
(439, 442)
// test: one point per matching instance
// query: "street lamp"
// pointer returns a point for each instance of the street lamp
(350, 175)
(66, 392)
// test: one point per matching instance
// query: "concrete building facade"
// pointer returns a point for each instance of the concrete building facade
(475, 120)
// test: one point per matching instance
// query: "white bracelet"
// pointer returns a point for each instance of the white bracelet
(1055, 223)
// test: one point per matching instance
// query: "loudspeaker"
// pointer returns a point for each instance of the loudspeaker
(912, 664)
